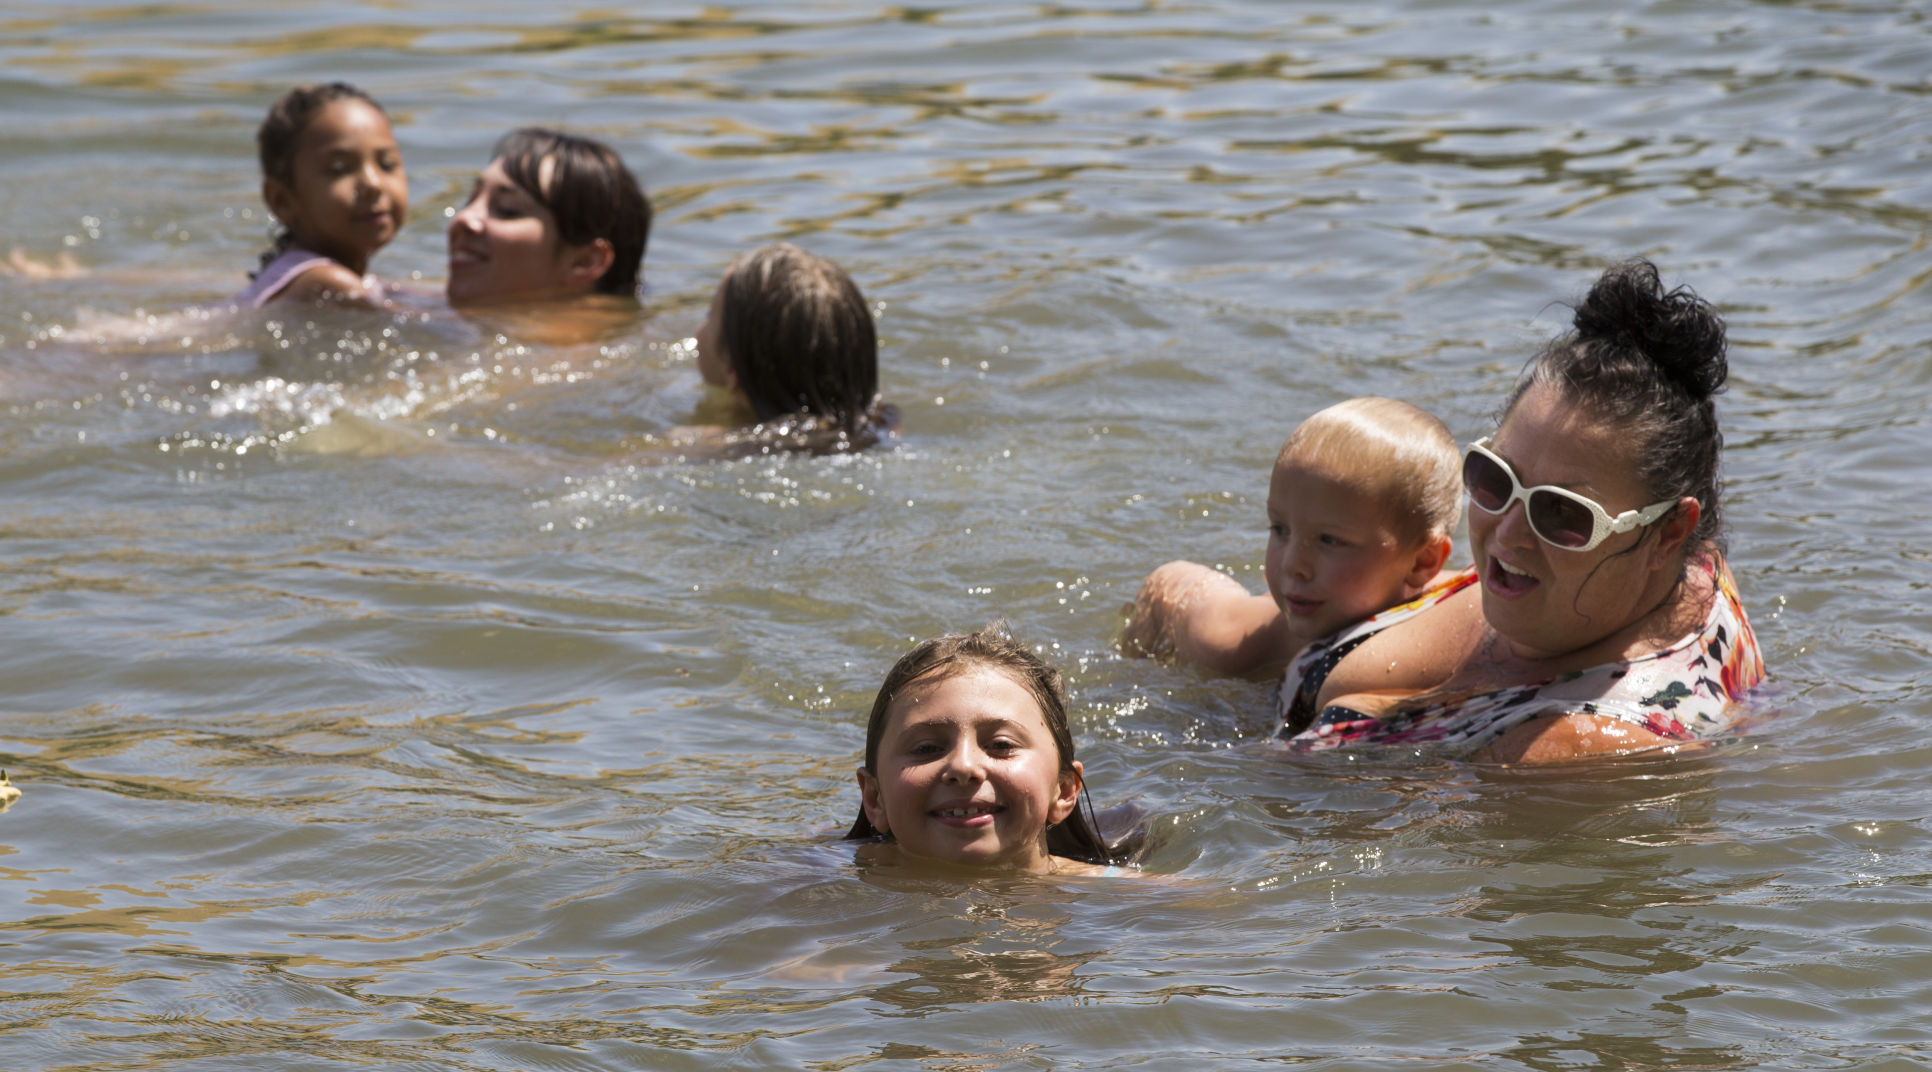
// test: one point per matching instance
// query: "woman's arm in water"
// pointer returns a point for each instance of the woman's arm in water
(1549, 739)
(1556, 738)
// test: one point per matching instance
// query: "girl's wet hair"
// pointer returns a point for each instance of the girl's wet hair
(281, 131)
(1648, 362)
(993, 648)
(800, 338)
(592, 195)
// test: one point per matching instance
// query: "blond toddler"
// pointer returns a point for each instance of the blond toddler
(1361, 504)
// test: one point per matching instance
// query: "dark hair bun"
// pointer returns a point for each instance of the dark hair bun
(1679, 332)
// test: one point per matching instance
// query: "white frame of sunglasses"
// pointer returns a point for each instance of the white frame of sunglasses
(1603, 526)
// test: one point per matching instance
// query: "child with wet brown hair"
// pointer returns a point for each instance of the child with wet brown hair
(969, 761)
(790, 341)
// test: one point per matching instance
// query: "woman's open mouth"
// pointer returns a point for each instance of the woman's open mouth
(1506, 580)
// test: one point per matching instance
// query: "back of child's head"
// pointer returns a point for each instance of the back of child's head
(800, 338)
(1391, 453)
(991, 648)
(590, 192)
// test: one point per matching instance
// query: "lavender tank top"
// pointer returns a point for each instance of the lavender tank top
(280, 272)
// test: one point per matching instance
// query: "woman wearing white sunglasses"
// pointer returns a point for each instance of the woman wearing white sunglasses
(1599, 617)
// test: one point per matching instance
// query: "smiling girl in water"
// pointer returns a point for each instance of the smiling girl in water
(969, 762)
(333, 177)
(554, 216)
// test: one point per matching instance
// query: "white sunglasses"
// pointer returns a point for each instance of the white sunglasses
(1558, 516)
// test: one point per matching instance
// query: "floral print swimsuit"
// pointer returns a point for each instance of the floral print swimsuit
(1689, 691)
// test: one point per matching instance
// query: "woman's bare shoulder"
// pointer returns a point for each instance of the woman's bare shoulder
(1414, 655)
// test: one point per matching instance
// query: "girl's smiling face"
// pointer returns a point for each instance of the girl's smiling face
(968, 773)
(503, 245)
(345, 194)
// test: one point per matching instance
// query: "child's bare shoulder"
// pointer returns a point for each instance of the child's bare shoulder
(327, 281)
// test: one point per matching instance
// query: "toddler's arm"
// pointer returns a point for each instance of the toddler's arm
(1205, 617)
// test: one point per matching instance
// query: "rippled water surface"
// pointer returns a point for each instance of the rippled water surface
(381, 698)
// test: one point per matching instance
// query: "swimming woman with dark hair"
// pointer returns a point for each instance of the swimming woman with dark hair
(1599, 617)
(552, 216)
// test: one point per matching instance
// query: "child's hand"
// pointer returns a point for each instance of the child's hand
(63, 266)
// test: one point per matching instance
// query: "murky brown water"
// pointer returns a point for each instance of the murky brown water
(377, 705)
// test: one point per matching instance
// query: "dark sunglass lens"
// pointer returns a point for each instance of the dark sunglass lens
(1563, 522)
(1487, 482)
